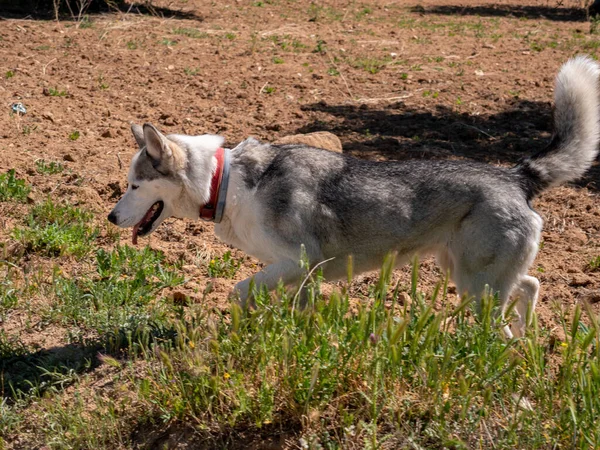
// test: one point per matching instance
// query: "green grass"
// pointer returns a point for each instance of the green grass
(594, 263)
(55, 229)
(48, 168)
(190, 72)
(371, 65)
(190, 32)
(119, 301)
(9, 74)
(225, 266)
(55, 92)
(13, 188)
(74, 135)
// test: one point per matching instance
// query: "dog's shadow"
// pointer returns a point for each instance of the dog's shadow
(398, 132)
(34, 372)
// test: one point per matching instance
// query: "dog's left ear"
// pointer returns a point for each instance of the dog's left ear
(157, 144)
(138, 134)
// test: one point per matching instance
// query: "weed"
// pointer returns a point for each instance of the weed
(190, 32)
(269, 89)
(102, 83)
(458, 101)
(8, 294)
(404, 76)
(371, 65)
(9, 74)
(42, 48)
(191, 72)
(132, 45)
(28, 129)
(168, 42)
(333, 71)
(431, 94)
(225, 266)
(74, 135)
(85, 22)
(277, 60)
(120, 301)
(55, 229)
(320, 48)
(230, 36)
(55, 92)
(48, 168)
(13, 188)
(594, 264)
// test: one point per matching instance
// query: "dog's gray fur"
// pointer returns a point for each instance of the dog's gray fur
(476, 218)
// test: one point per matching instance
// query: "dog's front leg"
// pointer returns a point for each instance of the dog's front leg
(288, 271)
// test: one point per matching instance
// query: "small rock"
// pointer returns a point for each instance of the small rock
(68, 157)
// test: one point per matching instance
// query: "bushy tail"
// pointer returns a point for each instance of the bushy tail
(574, 145)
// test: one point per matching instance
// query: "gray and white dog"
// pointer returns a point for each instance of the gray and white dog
(476, 218)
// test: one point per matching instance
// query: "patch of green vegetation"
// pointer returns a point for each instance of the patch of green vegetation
(42, 48)
(277, 60)
(9, 74)
(394, 371)
(86, 22)
(13, 188)
(404, 76)
(55, 92)
(225, 266)
(230, 36)
(269, 89)
(431, 94)
(48, 168)
(132, 45)
(594, 264)
(28, 129)
(120, 301)
(191, 32)
(74, 135)
(333, 71)
(8, 294)
(168, 42)
(321, 13)
(371, 64)
(56, 229)
(191, 71)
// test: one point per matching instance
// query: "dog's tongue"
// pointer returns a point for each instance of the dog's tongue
(134, 234)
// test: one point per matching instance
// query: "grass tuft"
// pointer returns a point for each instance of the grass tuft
(13, 188)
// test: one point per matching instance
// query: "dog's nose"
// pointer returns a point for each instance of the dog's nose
(112, 217)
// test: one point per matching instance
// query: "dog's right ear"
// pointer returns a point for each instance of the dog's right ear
(138, 134)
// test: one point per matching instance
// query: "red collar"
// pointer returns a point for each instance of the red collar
(207, 211)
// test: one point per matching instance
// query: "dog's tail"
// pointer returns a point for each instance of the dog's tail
(574, 145)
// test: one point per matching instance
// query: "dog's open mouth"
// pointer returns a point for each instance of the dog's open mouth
(144, 226)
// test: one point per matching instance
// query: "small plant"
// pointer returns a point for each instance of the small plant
(13, 188)
(48, 168)
(333, 72)
(277, 60)
(225, 266)
(458, 101)
(132, 45)
(230, 36)
(85, 22)
(9, 74)
(102, 83)
(28, 129)
(191, 71)
(594, 264)
(320, 48)
(54, 229)
(190, 32)
(55, 92)
(404, 76)
(74, 135)
(269, 89)
(168, 42)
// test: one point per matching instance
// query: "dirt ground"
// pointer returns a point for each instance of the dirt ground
(394, 80)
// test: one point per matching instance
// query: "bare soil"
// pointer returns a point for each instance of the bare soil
(393, 80)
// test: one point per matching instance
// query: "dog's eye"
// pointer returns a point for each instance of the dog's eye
(134, 187)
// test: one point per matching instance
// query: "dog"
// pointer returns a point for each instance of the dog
(270, 200)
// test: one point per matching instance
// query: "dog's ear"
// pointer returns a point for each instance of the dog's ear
(138, 134)
(157, 144)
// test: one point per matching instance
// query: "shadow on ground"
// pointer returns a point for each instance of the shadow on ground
(44, 9)
(560, 14)
(397, 132)
(56, 367)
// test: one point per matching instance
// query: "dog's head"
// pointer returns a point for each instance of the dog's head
(158, 182)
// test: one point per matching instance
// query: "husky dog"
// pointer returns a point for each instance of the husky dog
(476, 218)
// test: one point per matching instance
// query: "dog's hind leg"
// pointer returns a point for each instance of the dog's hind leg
(288, 271)
(526, 293)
